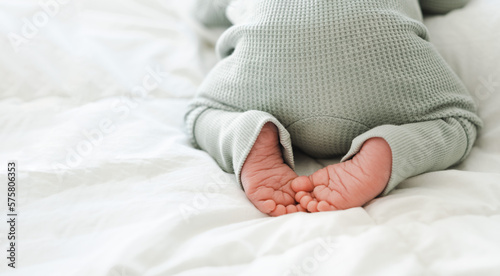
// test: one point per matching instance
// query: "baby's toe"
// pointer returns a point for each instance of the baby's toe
(305, 200)
(324, 206)
(291, 209)
(267, 206)
(300, 195)
(300, 208)
(312, 206)
(302, 183)
(279, 211)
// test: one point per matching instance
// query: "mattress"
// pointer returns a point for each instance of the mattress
(92, 98)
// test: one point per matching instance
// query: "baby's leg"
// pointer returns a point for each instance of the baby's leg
(415, 148)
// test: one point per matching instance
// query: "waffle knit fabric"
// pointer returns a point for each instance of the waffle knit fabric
(331, 75)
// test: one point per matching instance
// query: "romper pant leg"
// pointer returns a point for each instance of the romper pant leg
(422, 147)
(228, 136)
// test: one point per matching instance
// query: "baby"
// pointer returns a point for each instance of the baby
(356, 78)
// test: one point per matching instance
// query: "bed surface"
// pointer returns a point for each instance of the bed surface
(92, 105)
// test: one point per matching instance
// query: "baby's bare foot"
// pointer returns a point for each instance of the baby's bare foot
(349, 184)
(266, 178)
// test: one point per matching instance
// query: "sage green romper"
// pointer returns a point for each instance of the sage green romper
(331, 74)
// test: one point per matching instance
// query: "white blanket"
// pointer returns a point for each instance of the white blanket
(92, 97)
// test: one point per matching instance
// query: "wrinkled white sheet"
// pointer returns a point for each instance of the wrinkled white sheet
(91, 107)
